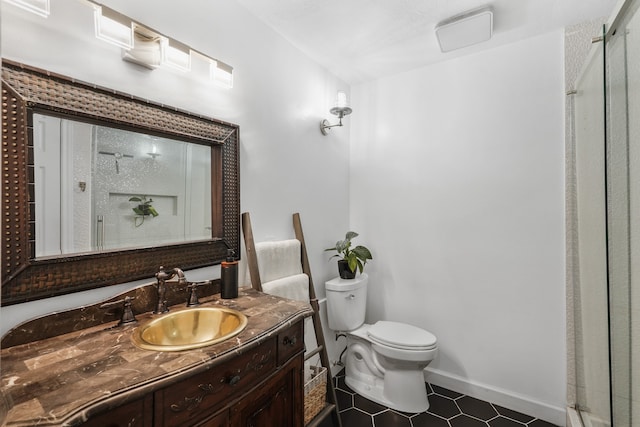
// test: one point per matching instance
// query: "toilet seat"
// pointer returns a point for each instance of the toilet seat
(401, 336)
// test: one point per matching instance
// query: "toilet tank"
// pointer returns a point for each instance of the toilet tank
(346, 302)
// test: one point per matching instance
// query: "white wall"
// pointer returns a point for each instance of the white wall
(457, 187)
(278, 100)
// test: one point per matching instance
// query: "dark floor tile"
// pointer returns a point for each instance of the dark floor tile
(345, 400)
(466, 421)
(366, 405)
(443, 406)
(540, 423)
(428, 420)
(513, 414)
(476, 408)
(446, 392)
(391, 419)
(355, 418)
(504, 422)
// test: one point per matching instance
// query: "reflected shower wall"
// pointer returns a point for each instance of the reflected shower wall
(101, 188)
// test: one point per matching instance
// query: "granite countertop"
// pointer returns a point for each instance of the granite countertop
(56, 380)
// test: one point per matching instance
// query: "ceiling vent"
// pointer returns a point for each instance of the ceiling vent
(465, 29)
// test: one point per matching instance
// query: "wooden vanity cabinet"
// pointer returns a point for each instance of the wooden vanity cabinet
(262, 387)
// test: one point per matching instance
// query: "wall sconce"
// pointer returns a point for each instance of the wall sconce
(39, 7)
(341, 109)
(113, 27)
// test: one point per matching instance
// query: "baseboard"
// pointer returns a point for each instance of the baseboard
(515, 402)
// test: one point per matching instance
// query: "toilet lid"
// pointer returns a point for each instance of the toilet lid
(401, 335)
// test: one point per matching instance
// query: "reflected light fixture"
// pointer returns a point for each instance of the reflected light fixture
(176, 54)
(113, 27)
(39, 7)
(340, 109)
(154, 152)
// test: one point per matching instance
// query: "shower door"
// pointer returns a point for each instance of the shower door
(623, 207)
(607, 315)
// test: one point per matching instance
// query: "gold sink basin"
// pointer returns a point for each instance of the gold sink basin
(189, 329)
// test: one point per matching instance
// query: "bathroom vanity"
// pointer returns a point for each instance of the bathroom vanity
(98, 377)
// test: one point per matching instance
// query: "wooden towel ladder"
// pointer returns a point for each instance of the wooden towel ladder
(331, 408)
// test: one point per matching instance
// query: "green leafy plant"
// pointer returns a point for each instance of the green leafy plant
(144, 208)
(356, 257)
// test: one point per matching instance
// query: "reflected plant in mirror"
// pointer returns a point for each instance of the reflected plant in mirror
(143, 209)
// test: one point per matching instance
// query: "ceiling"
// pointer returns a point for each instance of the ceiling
(361, 40)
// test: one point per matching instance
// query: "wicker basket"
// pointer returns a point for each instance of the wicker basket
(315, 392)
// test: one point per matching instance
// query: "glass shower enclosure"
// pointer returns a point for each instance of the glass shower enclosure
(606, 285)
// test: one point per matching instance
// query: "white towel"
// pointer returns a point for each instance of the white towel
(278, 259)
(293, 287)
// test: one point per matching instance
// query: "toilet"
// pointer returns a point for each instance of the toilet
(385, 360)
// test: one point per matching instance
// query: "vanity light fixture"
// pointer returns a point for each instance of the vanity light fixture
(39, 7)
(340, 109)
(176, 55)
(149, 48)
(113, 27)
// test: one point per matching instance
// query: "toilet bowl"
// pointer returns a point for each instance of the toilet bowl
(385, 360)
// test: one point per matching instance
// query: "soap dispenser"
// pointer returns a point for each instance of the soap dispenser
(229, 276)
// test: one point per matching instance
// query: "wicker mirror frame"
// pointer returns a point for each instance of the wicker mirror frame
(26, 90)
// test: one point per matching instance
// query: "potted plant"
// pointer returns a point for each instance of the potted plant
(143, 209)
(351, 259)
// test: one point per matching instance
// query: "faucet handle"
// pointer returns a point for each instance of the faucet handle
(192, 301)
(127, 312)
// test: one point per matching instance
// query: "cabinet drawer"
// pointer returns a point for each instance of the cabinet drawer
(196, 398)
(290, 342)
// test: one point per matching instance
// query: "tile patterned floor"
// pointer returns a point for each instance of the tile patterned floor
(447, 409)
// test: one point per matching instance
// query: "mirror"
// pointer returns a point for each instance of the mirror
(101, 188)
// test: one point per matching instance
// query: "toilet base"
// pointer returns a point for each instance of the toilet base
(410, 395)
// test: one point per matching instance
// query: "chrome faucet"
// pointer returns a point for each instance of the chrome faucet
(162, 276)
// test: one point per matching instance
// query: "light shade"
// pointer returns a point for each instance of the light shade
(176, 55)
(39, 7)
(113, 27)
(222, 74)
(146, 49)
(466, 29)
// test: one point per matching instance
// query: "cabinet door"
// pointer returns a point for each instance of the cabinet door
(276, 402)
(134, 414)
